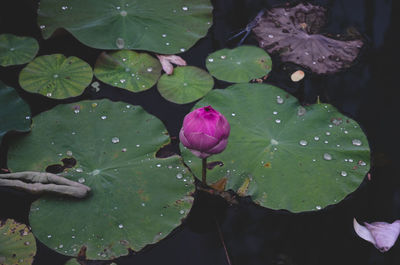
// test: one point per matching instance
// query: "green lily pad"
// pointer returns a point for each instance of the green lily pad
(185, 85)
(17, 244)
(136, 199)
(162, 26)
(283, 155)
(15, 114)
(17, 50)
(56, 76)
(239, 65)
(128, 69)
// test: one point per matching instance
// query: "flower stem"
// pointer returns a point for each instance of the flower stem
(204, 171)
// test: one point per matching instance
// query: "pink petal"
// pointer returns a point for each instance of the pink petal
(219, 147)
(383, 235)
(199, 154)
(200, 141)
(176, 60)
(166, 65)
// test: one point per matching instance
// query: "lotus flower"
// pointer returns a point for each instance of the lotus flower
(205, 132)
(382, 235)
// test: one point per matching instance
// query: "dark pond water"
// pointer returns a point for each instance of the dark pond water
(252, 235)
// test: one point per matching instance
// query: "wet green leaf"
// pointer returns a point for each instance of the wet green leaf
(185, 85)
(284, 155)
(17, 244)
(162, 26)
(15, 114)
(239, 65)
(56, 76)
(17, 50)
(128, 69)
(136, 199)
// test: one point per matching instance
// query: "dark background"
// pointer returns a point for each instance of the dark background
(254, 235)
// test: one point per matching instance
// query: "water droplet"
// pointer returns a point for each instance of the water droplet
(124, 150)
(316, 138)
(275, 112)
(325, 142)
(149, 69)
(185, 84)
(138, 145)
(64, 7)
(27, 117)
(210, 60)
(238, 62)
(270, 36)
(356, 142)
(115, 140)
(103, 117)
(81, 180)
(69, 153)
(274, 142)
(179, 176)
(351, 160)
(182, 49)
(181, 211)
(314, 62)
(123, 13)
(362, 163)
(318, 207)
(185, 8)
(327, 157)
(303, 142)
(278, 121)
(48, 236)
(343, 173)
(55, 76)
(233, 114)
(118, 7)
(328, 133)
(158, 165)
(167, 43)
(76, 111)
(122, 81)
(42, 26)
(223, 57)
(161, 215)
(120, 43)
(346, 132)
(121, 226)
(79, 170)
(164, 35)
(279, 100)
(301, 111)
(73, 237)
(143, 204)
(330, 125)
(49, 94)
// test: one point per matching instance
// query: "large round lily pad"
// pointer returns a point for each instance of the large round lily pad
(56, 76)
(136, 199)
(128, 69)
(185, 85)
(162, 26)
(17, 244)
(284, 155)
(239, 65)
(17, 50)
(15, 114)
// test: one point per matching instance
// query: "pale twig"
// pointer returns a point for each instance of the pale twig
(40, 182)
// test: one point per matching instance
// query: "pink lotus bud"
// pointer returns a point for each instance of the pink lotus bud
(205, 132)
(382, 235)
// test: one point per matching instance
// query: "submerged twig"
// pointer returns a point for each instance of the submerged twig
(223, 242)
(41, 182)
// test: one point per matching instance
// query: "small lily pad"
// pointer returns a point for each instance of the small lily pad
(239, 65)
(282, 154)
(17, 244)
(185, 85)
(56, 76)
(15, 114)
(17, 50)
(162, 26)
(136, 199)
(128, 69)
